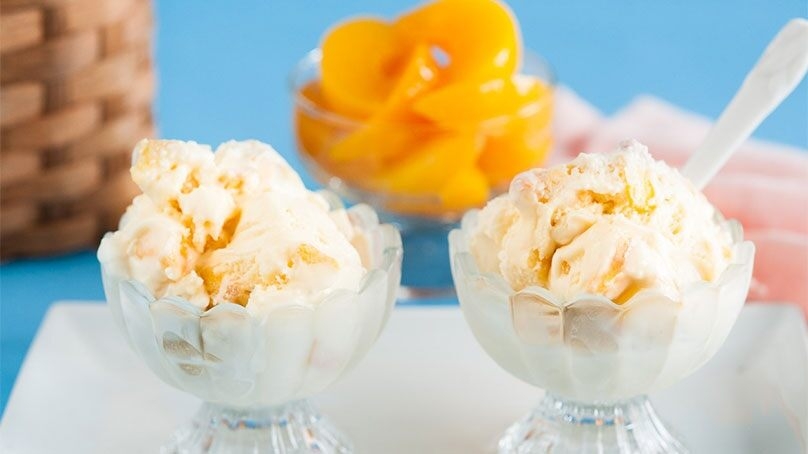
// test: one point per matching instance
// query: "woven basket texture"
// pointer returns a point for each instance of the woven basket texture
(76, 87)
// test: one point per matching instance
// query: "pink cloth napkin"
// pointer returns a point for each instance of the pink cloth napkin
(764, 185)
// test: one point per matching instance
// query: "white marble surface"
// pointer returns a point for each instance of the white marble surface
(426, 387)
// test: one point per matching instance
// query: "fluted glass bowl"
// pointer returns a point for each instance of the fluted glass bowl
(255, 372)
(597, 359)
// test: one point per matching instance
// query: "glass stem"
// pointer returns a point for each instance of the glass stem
(560, 425)
(293, 427)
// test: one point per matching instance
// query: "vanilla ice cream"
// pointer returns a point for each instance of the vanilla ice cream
(609, 224)
(236, 225)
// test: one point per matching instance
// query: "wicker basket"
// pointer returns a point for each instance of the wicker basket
(76, 84)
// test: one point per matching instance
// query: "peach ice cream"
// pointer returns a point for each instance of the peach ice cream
(605, 224)
(236, 225)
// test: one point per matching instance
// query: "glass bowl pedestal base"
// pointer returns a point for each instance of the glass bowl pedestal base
(425, 270)
(561, 426)
(292, 428)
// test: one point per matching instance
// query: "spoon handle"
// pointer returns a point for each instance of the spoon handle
(779, 70)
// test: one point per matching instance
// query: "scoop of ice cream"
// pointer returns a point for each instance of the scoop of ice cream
(610, 224)
(236, 226)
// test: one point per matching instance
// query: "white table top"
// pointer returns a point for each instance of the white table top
(425, 387)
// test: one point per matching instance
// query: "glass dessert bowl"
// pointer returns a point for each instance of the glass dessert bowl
(419, 191)
(423, 116)
(252, 306)
(255, 375)
(597, 357)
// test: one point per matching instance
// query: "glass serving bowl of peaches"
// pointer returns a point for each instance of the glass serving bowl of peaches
(423, 117)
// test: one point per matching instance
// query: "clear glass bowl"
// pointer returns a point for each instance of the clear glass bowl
(254, 373)
(597, 359)
(422, 219)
